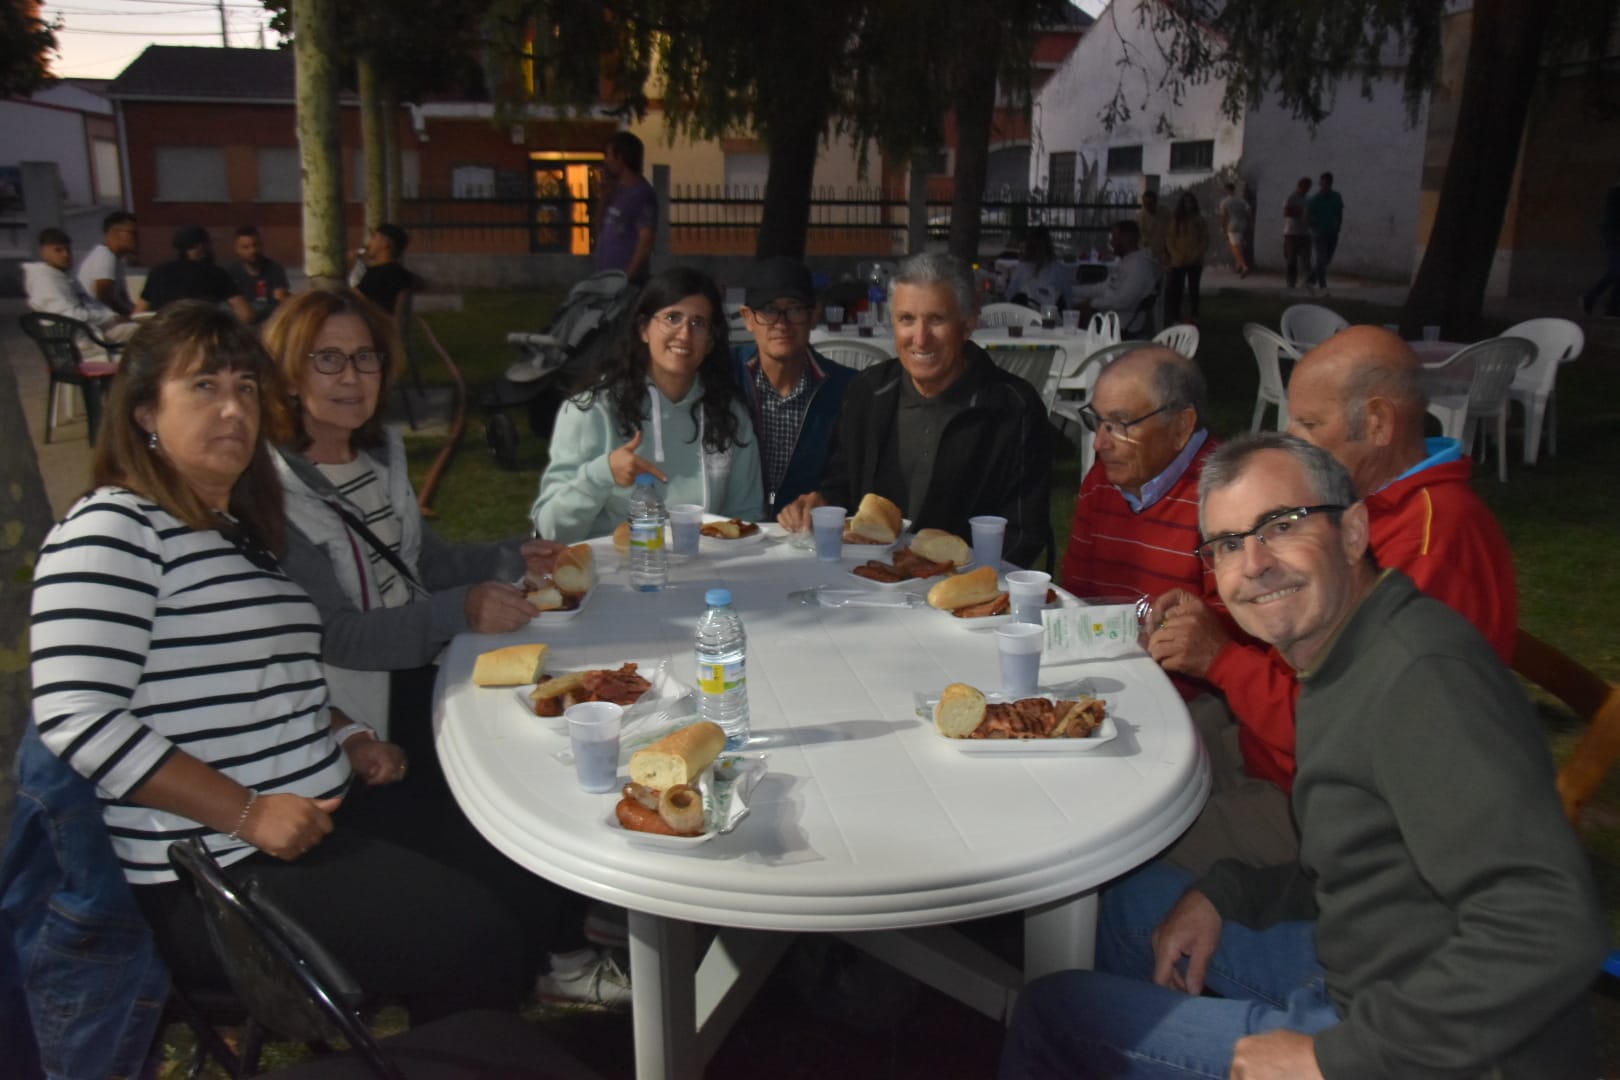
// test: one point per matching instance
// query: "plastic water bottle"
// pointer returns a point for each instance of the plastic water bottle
(649, 559)
(722, 663)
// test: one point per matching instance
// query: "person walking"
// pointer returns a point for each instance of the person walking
(1296, 232)
(1324, 214)
(1235, 214)
(1186, 240)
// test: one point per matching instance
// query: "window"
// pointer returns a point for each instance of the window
(191, 174)
(1060, 176)
(746, 172)
(280, 175)
(472, 182)
(410, 168)
(1196, 156)
(1125, 160)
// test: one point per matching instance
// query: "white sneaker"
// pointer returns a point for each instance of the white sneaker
(601, 983)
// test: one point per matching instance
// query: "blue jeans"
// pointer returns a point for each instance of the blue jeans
(1115, 1022)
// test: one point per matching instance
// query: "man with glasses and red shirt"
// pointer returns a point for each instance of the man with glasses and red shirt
(792, 391)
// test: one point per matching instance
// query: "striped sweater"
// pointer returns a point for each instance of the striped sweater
(150, 637)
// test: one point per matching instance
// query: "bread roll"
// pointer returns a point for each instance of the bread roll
(544, 597)
(576, 571)
(514, 665)
(679, 757)
(959, 711)
(621, 538)
(877, 519)
(937, 545)
(973, 587)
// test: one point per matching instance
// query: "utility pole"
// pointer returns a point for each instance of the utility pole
(224, 37)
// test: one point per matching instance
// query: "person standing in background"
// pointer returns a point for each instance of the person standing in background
(1324, 214)
(629, 211)
(262, 280)
(1154, 221)
(1235, 215)
(1297, 232)
(385, 276)
(1186, 240)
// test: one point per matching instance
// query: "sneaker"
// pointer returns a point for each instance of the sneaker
(601, 983)
(608, 926)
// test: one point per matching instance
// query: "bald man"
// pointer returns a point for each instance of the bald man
(1136, 518)
(1357, 396)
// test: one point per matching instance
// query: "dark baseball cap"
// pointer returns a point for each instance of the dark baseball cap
(187, 237)
(779, 277)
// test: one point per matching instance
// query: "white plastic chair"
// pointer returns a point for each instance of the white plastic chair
(1034, 365)
(1104, 328)
(1557, 341)
(1182, 337)
(1269, 348)
(1494, 363)
(1306, 326)
(1074, 394)
(852, 354)
(1008, 315)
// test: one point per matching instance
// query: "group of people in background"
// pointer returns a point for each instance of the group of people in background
(1311, 225)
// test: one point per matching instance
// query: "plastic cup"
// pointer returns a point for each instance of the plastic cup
(593, 728)
(1431, 333)
(835, 317)
(1020, 647)
(865, 322)
(1015, 330)
(1026, 589)
(988, 531)
(827, 523)
(1049, 316)
(685, 527)
(1071, 321)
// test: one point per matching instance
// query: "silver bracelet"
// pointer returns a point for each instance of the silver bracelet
(351, 729)
(253, 797)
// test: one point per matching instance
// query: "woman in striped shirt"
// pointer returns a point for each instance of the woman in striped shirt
(177, 668)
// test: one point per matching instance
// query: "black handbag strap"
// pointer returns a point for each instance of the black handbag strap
(377, 545)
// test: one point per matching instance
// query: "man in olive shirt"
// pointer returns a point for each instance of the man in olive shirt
(1441, 919)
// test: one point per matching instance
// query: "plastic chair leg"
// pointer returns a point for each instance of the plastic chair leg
(1259, 413)
(1501, 445)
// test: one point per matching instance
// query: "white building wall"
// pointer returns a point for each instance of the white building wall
(1068, 109)
(36, 132)
(1377, 164)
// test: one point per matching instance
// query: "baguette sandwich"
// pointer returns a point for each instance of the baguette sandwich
(970, 595)
(679, 757)
(575, 572)
(515, 665)
(876, 521)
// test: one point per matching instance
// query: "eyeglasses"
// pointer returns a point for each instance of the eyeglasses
(1118, 429)
(1275, 529)
(672, 321)
(797, 314)
(333, 361)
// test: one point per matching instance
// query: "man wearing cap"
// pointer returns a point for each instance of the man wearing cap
(385, 276)
(793, 392)
(193, 275)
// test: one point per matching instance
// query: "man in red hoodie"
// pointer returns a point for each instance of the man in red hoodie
(1357, 396)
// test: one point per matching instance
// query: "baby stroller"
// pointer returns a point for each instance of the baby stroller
(553, 363)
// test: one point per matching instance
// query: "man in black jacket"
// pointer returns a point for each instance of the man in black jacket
(941, 431)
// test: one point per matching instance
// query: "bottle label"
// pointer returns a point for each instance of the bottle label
(647, 537)
(719, 678)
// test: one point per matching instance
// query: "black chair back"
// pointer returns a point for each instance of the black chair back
(288, 981)
(57, 337)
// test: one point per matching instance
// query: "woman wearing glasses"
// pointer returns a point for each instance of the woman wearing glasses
(663, 402)
(391, 593)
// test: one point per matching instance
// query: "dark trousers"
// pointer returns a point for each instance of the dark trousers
(1323, 245)
(1297, 255)
(1182, 279)
(1610, 281)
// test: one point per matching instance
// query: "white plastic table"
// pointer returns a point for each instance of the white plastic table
(868, 823)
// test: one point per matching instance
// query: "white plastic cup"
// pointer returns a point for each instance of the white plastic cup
(827, 523)
(865, 322)
(835, 317)
(685, 527)
(1431, 333)
(593, 728)
(1071, 321)
(1026, 589)
(1049, 316)
(1020, 647)
(988, 532)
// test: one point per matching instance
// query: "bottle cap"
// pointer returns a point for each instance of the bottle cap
(645, 479)
(717, 597)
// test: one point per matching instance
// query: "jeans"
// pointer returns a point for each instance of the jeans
(1323, 245)
(1115, 1022)
(1181, 280)
(1297, 253)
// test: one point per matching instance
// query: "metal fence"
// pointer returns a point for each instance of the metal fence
(715, 219)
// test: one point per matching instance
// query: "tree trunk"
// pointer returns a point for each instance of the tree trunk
(371, 139)
(395, 169)
(1504, 50)
(795, 139)
(25, 517)
(974, 102)
(320, 152)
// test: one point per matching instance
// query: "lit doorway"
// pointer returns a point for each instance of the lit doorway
(564, 188)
